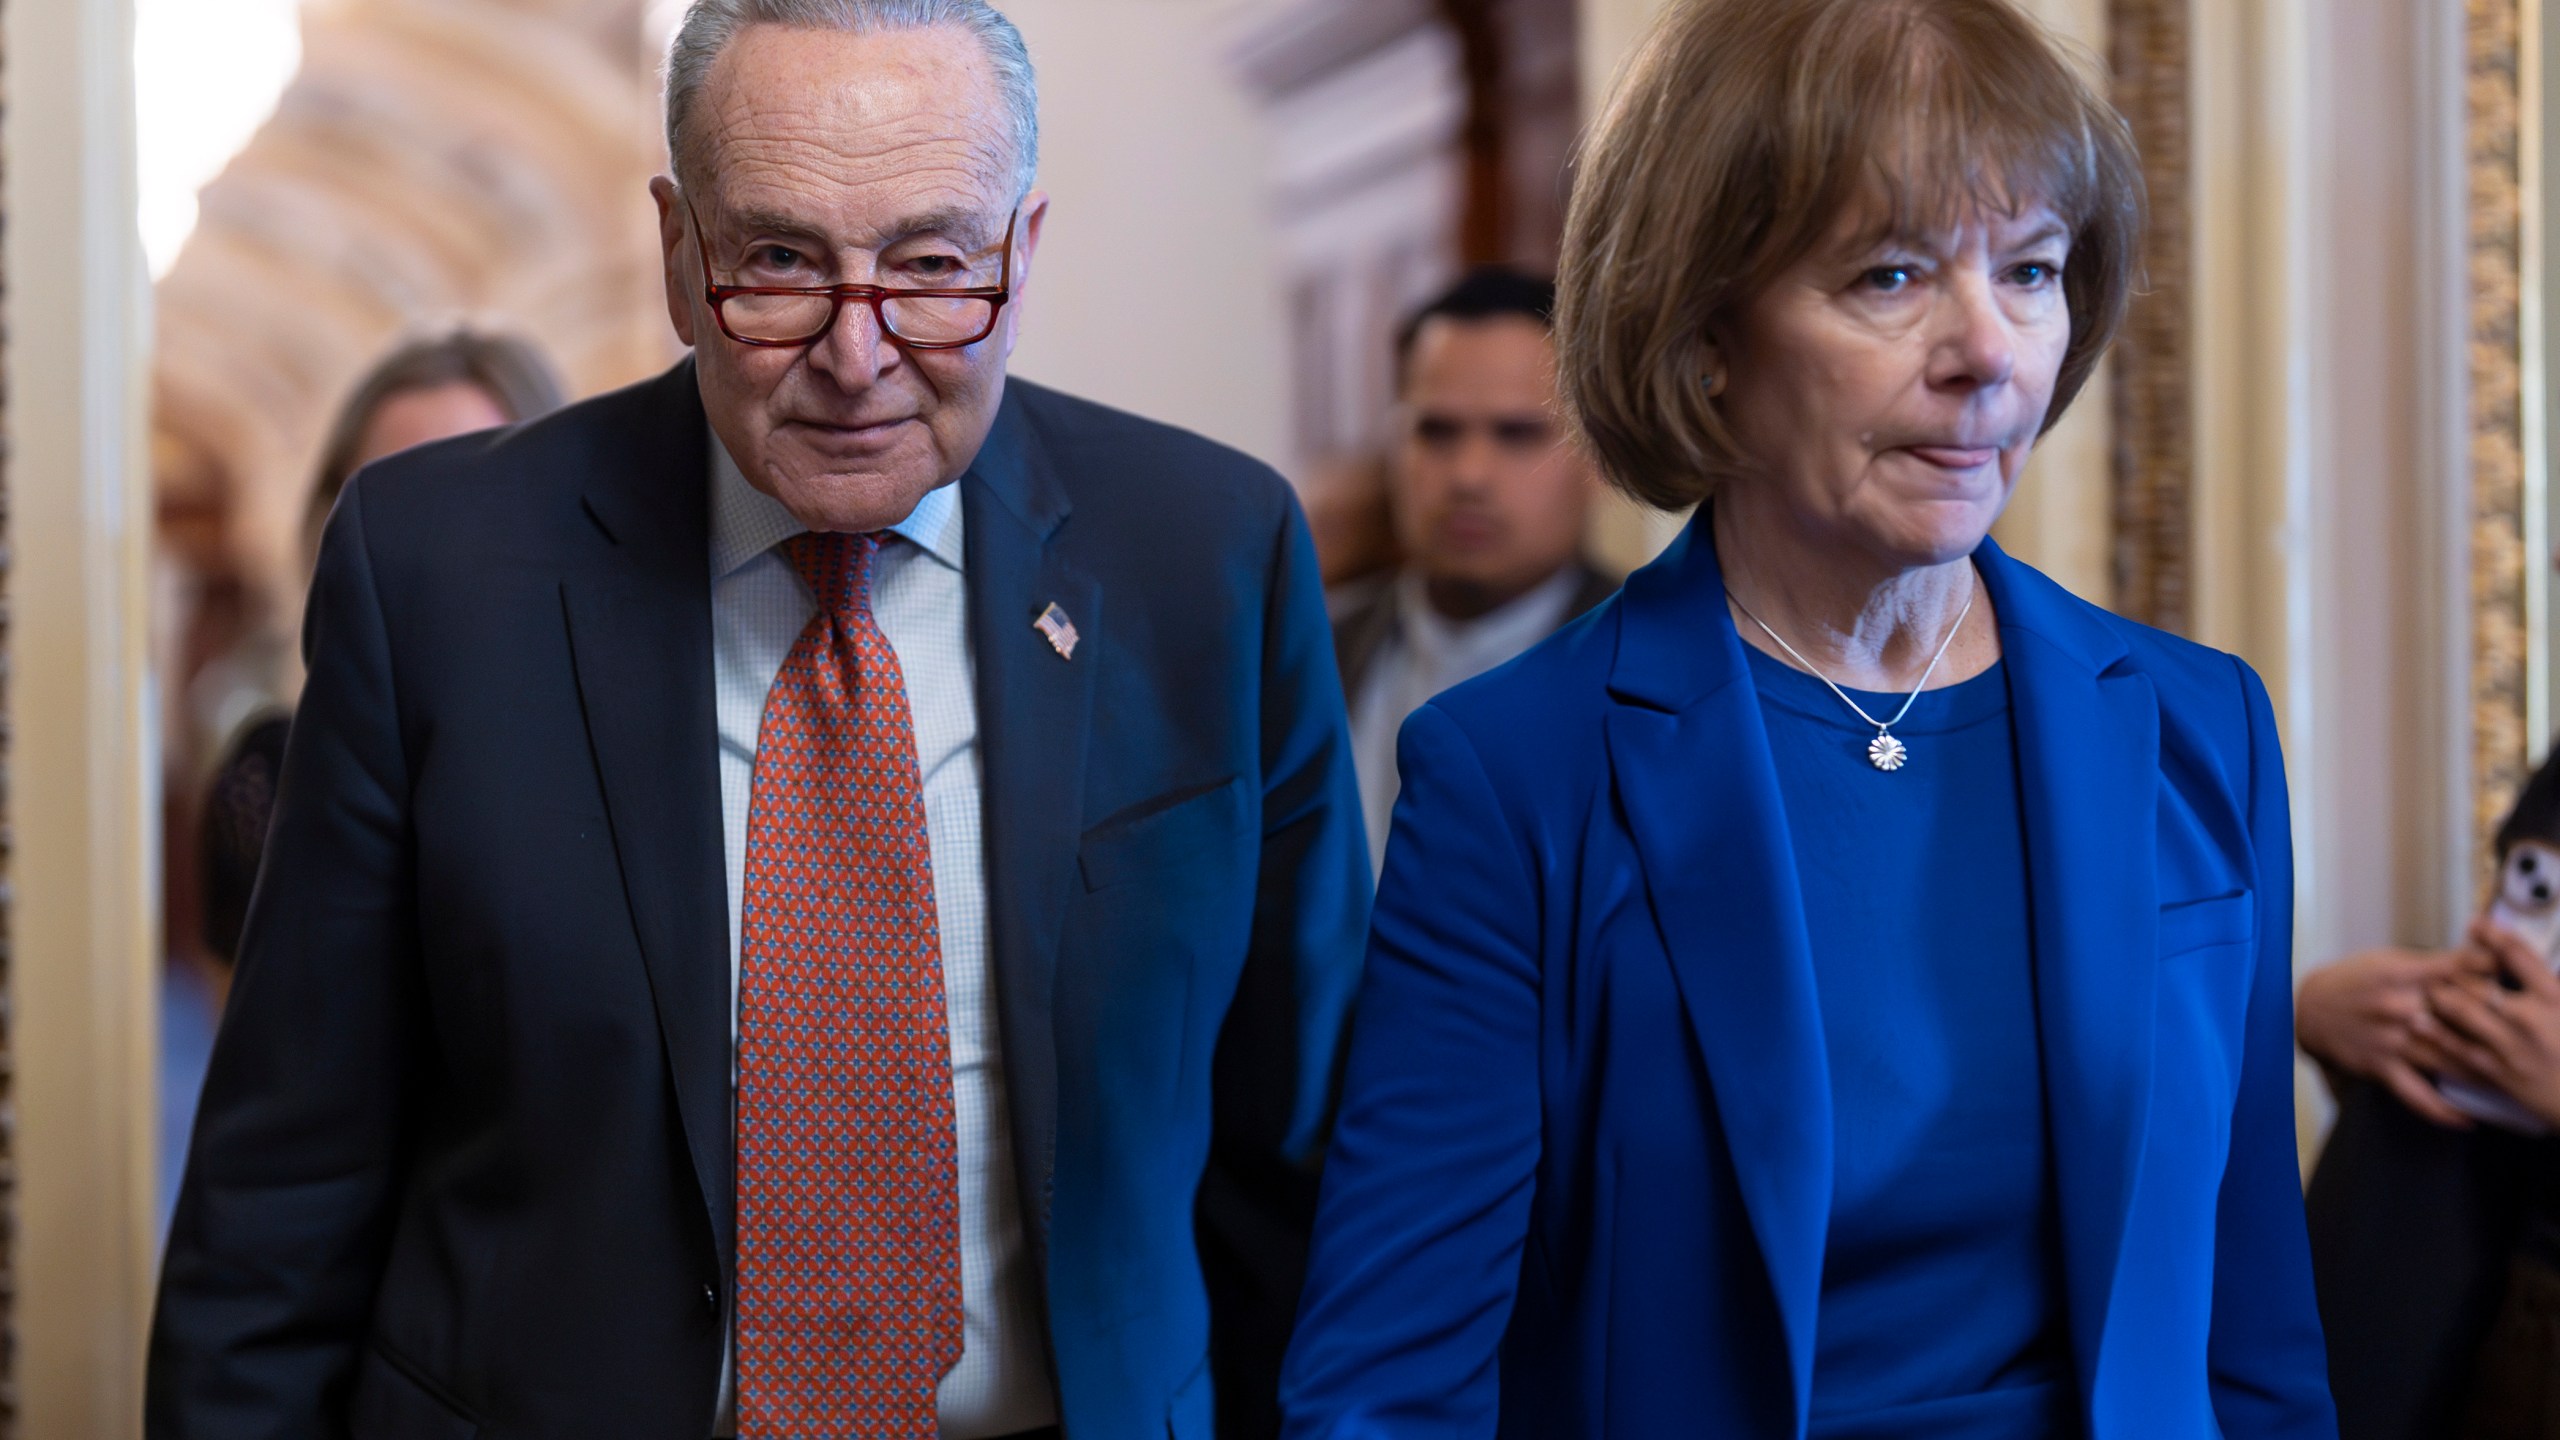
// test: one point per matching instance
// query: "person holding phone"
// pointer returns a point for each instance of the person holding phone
(2497, 1008)
(2481, 1019)
(2499, 1013)
(2366, 1016)
(2484, 1015)
(2435, 1210)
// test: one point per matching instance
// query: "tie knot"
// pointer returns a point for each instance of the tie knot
(837, 569)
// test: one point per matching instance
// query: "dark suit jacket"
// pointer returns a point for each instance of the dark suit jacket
(1360, 630)
(2413, 1231)
(1581, 1183)
(463, 1166)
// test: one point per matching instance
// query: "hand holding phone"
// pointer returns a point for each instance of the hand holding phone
(2528, 906)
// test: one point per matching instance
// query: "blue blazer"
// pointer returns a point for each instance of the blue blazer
(463, 1166)
(1581, 1181)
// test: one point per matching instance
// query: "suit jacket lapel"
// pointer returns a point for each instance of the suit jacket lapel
(2088, 735)
(639, 619)
(1696, 781)
(1358, 636)
(1034, 708)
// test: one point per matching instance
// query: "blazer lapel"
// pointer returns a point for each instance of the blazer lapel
(1034, 709)
(1697, 783)
(639, 620)
(2088, 735)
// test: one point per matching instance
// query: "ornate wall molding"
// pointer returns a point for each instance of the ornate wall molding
(1285, 47)
(432, 161)
(2153, 460)
(9, 1232)
(2500, 628)
(1408, 137)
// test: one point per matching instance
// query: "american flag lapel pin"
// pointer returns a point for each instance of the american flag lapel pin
(1053, 623)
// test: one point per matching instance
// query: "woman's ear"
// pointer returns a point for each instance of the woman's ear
(1711, 365)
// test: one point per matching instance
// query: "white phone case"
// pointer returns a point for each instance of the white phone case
(2528, 903)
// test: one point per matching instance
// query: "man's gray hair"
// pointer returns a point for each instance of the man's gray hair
(709, 26)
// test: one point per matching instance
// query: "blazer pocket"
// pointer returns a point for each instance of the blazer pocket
(394, 1402)
(2202, 924)
(1157, 833)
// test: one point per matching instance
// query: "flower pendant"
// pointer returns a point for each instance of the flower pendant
(1886, 753)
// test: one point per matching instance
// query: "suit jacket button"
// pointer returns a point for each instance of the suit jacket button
(711, 1299)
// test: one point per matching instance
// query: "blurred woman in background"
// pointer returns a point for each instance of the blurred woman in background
(431, 389)
(428, 389)
(1840, 988)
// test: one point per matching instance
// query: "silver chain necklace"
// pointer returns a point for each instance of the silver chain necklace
(1884, 752)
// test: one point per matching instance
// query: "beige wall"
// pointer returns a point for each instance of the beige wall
(81, 1014)
(2384, 493)
(2332, 483)
(1610, 31)
(1156, 287)
(2332, 480)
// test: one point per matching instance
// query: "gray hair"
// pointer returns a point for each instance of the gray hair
(709, 26)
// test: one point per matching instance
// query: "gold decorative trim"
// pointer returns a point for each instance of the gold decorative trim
(9, 1235)
(2534, 352)
(2153, 461)
(2500, 626)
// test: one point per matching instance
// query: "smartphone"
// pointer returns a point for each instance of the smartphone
(2527, 903)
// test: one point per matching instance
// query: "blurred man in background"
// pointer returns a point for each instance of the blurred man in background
(1491, 501)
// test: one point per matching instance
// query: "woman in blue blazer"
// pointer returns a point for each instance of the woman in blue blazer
(1840, 988)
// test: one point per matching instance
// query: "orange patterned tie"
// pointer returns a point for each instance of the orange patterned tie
(849, 1309)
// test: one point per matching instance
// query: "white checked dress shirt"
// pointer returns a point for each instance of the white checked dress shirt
(920, 597)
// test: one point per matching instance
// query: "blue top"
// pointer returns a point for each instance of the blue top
(1941, 1308)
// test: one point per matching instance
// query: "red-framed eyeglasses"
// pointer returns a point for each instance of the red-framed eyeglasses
(786, 317)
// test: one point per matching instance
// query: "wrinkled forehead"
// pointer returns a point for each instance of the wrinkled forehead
(851, 132)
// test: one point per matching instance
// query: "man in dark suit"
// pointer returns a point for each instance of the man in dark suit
(1491, 501)
(812, 896)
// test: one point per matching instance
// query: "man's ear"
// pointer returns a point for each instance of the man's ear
(671, 242)
(1026, 244)
(1035, 214)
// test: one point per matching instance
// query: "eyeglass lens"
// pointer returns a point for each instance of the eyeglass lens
(924, 319)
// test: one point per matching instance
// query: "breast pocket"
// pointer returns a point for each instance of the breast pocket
(1158, 834)
(2187, 925)
(2208, 958)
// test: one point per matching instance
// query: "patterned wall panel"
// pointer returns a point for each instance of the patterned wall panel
(2154, 435)
(2499, 627)
(8, 842)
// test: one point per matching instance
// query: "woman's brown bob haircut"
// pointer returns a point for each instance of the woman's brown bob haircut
(1742, 134)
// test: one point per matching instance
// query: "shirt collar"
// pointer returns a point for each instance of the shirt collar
(746, 522)
(1505, 631)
